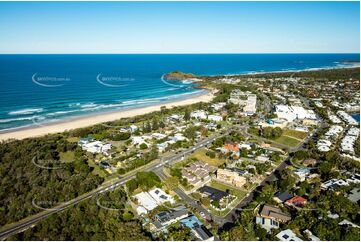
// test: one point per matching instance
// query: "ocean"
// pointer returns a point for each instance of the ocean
(40, 89)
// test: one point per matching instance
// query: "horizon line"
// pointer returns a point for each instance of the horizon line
(187, 53)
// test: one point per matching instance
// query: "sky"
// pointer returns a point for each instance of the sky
(179, 27)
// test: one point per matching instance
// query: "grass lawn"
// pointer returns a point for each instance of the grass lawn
(294, 133)
(201, 155)
(97, 170)
(224, 187)
(219, 213)
(67, 157)
(285, 140)
(240, 194)
(73, 139)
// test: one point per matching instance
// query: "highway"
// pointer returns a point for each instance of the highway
(30, 221)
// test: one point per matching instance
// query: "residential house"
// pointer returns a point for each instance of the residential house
(288, 235)
(231, 177)
(262, 158)
(309, 162)
(271, 216)
(198, 173)
(215, 118)
(347, 118)
(175, 118)
(218, 106)
(147, 201)
(133, 128)
(197, 228)
(160, 196)
(137, 140)
(302, 173)
(310, 236)
(282, 197)
(178, 137)
(231, 147)
(347, 223)
(199, 114)
(296, 202)
(212, 193)
(333, 183)
(158, 136)
(164, 219)
(94, 146)
(162, 146)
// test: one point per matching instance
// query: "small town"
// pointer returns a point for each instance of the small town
(262, 158)
(180, 120)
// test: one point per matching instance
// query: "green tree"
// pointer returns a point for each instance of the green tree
(187, 115)
(172, 182)
(143, 146)
(277, 132)
(121, 136)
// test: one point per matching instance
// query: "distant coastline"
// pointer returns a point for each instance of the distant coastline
(22, 101)
(112, 115)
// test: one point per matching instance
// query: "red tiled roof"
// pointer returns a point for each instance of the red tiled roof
(231, 147)
(297, 201)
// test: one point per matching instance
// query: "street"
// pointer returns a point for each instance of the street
(30, 221)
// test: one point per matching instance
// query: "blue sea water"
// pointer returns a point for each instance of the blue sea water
(39, 89)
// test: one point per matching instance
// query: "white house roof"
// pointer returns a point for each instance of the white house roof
(287, 235)
(146, 201)
(160, 196)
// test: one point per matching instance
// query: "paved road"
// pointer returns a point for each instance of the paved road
(28, 222)
(235, 213)
(190, 201)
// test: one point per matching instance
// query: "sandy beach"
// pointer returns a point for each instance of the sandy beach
(98, 118)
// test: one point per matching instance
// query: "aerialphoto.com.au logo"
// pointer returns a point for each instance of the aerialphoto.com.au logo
(49, 81)
(113, 81)
(48, 164)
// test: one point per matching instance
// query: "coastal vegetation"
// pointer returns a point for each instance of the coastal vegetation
(32, 172)
(53, 169)
(144, 180)
(322, 74)
(178, 76)
(88, 221)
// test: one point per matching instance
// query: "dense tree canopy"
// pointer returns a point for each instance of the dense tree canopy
(87, 221)
(31, 172)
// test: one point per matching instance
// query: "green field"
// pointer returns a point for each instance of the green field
(285, 140)
(294, 133)
(67, 157)
(201, 155)
(97, 170)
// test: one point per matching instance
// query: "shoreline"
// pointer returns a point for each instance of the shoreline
(251, 73)
(86, 121)
(97, 118)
